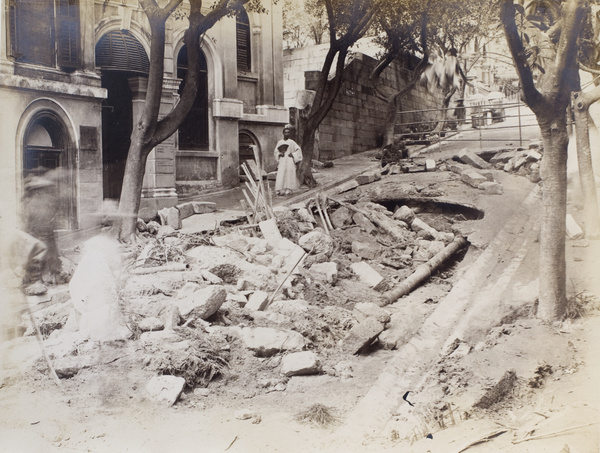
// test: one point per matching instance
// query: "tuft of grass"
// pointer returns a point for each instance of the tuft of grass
(579, 304)
(318, 415)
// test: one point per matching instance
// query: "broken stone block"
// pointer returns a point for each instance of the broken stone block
(499, 391)
(534, 176)
(472, 178)
(368, 275)
(258, 300)
(533, 156)
(518, 162)
(348, 185)
(535, 144)
(429, 165)
(365, 250)
(185, 210)
(165, 389)
(509, 166)
(361, 335)
(492, 188)
(342, 216)
(306, 216)
(202, 303)
(326, 271)
(574, 231)
(404, 214)
(316, 242)
(300, 363)
(187, 290)
(362, 221)
(211, 278)
(151, 324)
(488, 174)
(237, 298)
(147, 214)
(473, 159)
(170, 217)
(368, 177)
(456, 167)
(503, 157)
(270, 231)
(203, 207)
(418, 225)
(363, 310)
(292, 308)
(266, 341)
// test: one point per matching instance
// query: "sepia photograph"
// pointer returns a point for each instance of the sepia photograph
(335, 226)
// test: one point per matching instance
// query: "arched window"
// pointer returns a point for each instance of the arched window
(242, 29)
(193, 132)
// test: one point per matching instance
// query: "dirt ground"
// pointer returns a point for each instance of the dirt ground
(454, 402)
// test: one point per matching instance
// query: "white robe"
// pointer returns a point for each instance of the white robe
(287, 179)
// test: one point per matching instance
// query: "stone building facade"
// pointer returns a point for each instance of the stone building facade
(73, 79)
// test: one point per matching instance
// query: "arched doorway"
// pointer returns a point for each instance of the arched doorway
(48, 153)
(247, 142)
(120, 58)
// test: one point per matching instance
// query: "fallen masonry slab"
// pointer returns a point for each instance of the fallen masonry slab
(503, 157)
(368, 177)
(533, 156)
(258, 300)
(203, 207)
(202, 303)
(266, 341)
(405, 214)
(472, 178)
(170, 217)
(185, 210)
(349, 185)
(368, 275)
(365, 250)
(364, 310)
(361, 335)
(364, 222)
(490, 187)
(300, 363)
(341, 217)
(325, 271)
(473, 159)
(429, 165)
(165, 389)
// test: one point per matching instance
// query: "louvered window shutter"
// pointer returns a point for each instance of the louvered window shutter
(68, 40)
(31, 31)
(243, 42)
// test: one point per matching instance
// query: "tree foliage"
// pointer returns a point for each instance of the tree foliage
(304, 23)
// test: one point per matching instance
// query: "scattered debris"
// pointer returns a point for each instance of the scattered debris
(318, 415)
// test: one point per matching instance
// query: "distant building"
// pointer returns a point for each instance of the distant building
(73, 78)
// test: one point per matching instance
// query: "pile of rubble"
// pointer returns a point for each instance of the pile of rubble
(475, 171)
(308, 287)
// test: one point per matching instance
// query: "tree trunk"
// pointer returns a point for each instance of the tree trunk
(308, 146)
(441, 123)
(552, 295)
(586, 173)
(131, 192)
